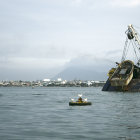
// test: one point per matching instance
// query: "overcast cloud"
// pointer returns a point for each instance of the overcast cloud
(42, 36)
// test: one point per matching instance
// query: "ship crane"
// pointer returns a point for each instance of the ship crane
(131, 33)
(133, 38)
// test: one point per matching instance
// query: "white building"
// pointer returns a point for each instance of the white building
(46, 80)
(59, 79)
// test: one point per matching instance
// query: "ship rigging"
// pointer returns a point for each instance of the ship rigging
(133, 40)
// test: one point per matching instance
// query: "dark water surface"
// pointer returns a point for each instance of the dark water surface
(44, 114)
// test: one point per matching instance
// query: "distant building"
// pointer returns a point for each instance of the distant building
(59, 79)
(64, 82)
(46, 80)
(89, 83)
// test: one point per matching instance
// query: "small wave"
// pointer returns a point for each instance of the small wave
(133, 127)
(1, 95)
(8, 106)
(60, 101)
(38, 94)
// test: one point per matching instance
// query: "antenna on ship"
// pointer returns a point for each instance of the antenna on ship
(132, 38)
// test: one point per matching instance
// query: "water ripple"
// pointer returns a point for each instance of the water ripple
(44, 113)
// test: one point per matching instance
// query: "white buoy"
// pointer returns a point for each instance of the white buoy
(80, 95)
(72, 100)
(85, 99)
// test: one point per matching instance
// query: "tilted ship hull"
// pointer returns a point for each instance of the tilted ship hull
(133, 86)
(123, 74)
(126, 77)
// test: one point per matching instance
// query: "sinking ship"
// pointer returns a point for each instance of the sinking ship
(126, 75)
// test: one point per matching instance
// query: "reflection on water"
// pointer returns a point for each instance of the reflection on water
(44, 113)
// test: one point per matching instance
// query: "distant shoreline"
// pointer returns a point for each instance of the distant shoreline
(74, 83)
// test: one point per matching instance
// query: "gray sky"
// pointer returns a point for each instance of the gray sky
(39, 37)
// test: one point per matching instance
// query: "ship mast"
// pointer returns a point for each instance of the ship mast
(132, 33)
(132, 37)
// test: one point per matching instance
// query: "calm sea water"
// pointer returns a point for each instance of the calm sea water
(44, 114)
